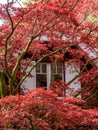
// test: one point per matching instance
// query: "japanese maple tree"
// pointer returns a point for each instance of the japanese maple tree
(65, 23)
(41, 109)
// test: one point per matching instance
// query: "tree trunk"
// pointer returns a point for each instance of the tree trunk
(53, 68)
(2, 85)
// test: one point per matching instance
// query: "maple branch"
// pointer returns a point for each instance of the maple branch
(31, 122)
(7, 10)
(82, 69)
(13, 75)
(91, 91)
(35, 20)
(87, 14)
(85, 17)
(8, 38)
(63, 3)
(85, 86)
(91, 96)
(31, 59)
(19, 3)
(47, 55)
(6, 46)
(22, 55)
(75, 5)
(91, 30)
(2, 86)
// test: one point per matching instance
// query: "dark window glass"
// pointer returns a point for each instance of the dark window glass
(59, 68)
(57, 77)
(43, 68)
(38, 68)
(41, 80)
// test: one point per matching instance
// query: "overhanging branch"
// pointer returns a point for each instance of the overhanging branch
(47, 55)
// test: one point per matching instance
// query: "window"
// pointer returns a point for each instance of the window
(41, 68)
(58, 72)
(41, 75)
(44, 74)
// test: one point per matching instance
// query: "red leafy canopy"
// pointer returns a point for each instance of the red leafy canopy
(41, 109)
(60, 23)
(54, 19)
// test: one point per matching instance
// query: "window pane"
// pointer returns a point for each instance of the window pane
(38, 68)
(41, 80)
(59, 68)
(53, 68)
(57, 77)
(43, 68)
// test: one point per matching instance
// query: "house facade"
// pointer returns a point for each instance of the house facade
(44, 72)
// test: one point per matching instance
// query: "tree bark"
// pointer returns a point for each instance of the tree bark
(2, 85)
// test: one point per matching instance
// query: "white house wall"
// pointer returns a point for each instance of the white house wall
(71, 70)
(30, 82)
(48, 74)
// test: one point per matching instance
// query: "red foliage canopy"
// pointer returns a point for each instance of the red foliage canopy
(62, 22)
(42, 109)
